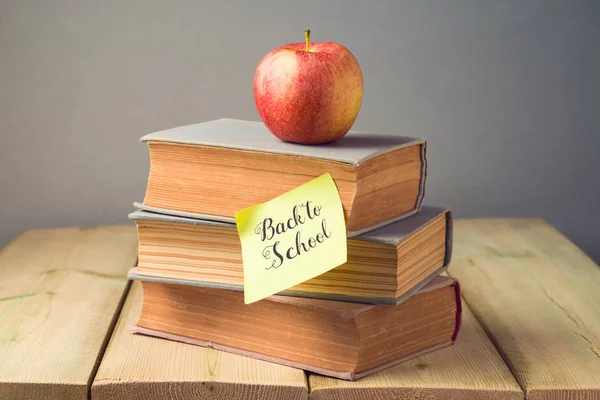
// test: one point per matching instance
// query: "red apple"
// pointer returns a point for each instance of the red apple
(308, 93)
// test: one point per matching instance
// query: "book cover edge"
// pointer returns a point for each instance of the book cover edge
(212, 220)
(133, 275)
(350, 376)
(410, 141)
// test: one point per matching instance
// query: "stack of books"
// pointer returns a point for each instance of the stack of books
(386, 304)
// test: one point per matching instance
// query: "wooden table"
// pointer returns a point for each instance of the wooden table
(531, 327)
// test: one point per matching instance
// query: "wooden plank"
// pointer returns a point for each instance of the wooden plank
(141, 367)
(59, 294)
(538, 296)
(471, 369)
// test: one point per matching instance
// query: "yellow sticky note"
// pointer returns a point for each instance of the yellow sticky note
(292, 238)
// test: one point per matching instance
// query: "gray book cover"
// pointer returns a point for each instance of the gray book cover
(354, 148)
(392, 234)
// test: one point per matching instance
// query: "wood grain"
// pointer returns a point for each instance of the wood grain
(538, 296)
(59, 293)
(141, 367)
(471, 369)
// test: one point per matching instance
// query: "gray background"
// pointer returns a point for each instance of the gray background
(507, 93)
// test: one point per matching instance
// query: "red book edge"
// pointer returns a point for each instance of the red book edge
(458, 310)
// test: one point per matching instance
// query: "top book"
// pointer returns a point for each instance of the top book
(212, 169)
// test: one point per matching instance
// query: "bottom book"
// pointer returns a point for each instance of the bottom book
(338, 339)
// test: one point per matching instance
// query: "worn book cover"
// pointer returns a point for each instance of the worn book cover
(339, 339)
(383, 266)
(212, 169)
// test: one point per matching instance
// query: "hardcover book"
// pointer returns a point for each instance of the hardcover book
(383, 266)
(212, 169)
(339, 339)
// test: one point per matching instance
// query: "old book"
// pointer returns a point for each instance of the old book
(339, 339)
(384, 266)
(211, 170)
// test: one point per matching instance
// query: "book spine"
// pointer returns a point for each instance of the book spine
(449, 237)
(421, 194)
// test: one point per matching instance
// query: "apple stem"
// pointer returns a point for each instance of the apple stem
(307, 36)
